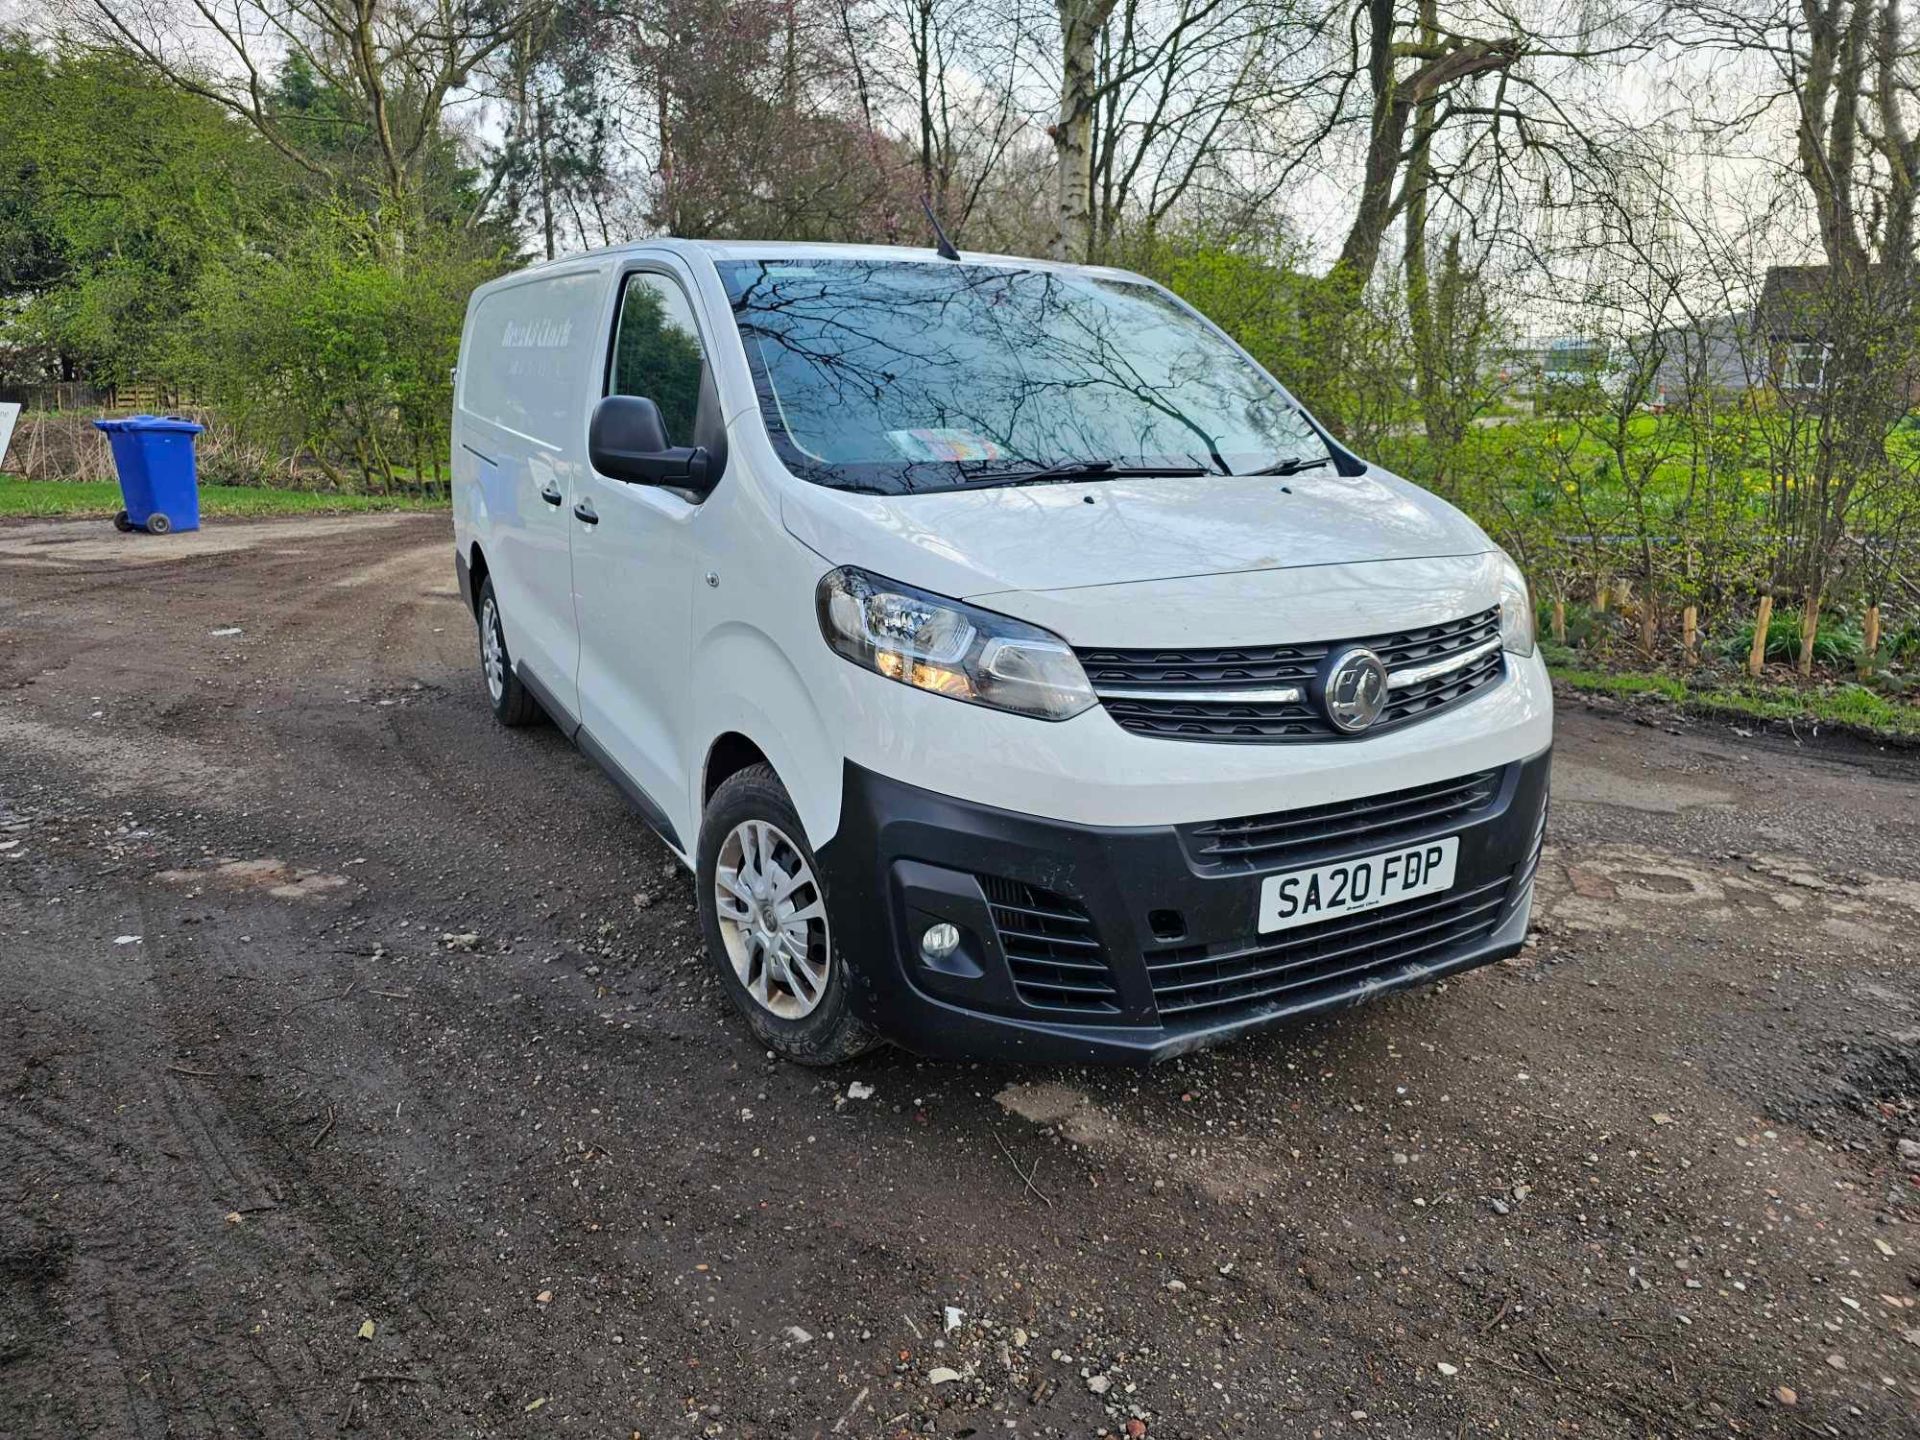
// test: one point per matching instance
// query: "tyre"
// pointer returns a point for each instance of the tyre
(123, 522)
(158, 524)
(764, 910)
(512, 704)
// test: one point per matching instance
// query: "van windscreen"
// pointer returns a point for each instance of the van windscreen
(904, 376)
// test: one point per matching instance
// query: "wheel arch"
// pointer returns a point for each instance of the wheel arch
(476, 573)
(779, 723)
(727, 756)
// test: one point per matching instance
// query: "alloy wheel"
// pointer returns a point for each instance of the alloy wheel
(773, 919)
(493, 651)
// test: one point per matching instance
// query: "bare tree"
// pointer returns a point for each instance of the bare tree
(1842, 352)
(396, 65)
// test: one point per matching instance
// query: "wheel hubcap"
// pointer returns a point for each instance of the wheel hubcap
(493, 653)
(773, 919)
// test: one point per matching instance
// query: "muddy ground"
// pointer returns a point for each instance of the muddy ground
(359, 1072)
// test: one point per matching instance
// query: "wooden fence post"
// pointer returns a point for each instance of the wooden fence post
(1757, 656)
(1809, 629)
(1870, 646)
(1690, 633)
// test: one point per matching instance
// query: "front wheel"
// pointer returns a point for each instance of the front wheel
(158, 524)
(764, 909)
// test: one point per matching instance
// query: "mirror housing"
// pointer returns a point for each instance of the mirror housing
(626, 440)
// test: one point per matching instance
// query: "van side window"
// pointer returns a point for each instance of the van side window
(656, 353)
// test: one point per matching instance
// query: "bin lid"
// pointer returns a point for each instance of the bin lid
(156, 424)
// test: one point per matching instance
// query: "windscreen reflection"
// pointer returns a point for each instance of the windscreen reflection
(902, 376)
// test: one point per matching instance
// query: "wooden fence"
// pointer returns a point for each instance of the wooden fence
(141, 397)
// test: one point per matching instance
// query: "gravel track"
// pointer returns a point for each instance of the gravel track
(413, 1110)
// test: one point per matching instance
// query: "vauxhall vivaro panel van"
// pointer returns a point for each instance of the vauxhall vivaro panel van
(1021, 670)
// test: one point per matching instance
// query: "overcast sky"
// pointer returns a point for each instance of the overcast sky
(1717, 182)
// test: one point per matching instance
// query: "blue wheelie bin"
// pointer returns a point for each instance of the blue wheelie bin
(154, 457)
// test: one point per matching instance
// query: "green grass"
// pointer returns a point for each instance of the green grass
(1853, 706)
(81, 498)
(1632, 683)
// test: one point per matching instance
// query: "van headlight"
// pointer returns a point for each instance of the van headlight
(1516, 610)
(950, 648)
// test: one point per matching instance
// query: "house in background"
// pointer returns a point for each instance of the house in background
(1794, 326)
(1720, 353)
(1781, 344)
(1799, 311)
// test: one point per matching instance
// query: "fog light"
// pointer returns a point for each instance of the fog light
(940, 941)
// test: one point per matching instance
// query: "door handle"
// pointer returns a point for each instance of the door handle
(550, 493)
(584, 511)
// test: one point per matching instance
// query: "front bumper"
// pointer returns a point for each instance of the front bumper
(1098, 943)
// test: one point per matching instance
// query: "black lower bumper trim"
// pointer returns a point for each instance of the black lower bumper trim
(1088, 943)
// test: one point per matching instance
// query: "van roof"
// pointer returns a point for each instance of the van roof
(722, 250)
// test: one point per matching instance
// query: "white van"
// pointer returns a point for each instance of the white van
(1021, 670)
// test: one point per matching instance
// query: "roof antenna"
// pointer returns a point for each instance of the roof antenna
(945, 247)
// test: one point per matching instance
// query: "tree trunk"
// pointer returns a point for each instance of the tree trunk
(1394, 101)
(1420, 324)
(1386, 140)
(923, 77)
(1080, 24)
(663, 119)
(546, 184)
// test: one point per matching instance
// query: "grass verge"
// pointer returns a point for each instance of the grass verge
(1850, 707)
(78, 499)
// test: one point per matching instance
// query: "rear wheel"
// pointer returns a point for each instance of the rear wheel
(512, 705)
(158, 524)
(764, 909)
(123, 522)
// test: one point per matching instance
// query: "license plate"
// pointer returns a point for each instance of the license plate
(1350, 887)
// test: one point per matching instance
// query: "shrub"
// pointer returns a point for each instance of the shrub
(1584, 623)
(1836, 643)
(337, 355)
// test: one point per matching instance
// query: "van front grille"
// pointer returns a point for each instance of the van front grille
(1240, 694)
(1055, 957)
(1261, 842)
(1334, 955)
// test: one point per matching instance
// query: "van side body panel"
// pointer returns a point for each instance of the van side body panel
(526, 379)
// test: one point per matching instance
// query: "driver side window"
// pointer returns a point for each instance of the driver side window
(657, 353)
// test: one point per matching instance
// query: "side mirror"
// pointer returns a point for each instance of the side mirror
(627, 441)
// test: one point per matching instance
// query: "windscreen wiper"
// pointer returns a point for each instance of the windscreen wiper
(1293, 467)
(1080, 470)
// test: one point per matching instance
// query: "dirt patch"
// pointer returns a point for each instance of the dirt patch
(274, 877)
(95, 543)
(1595, 786)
